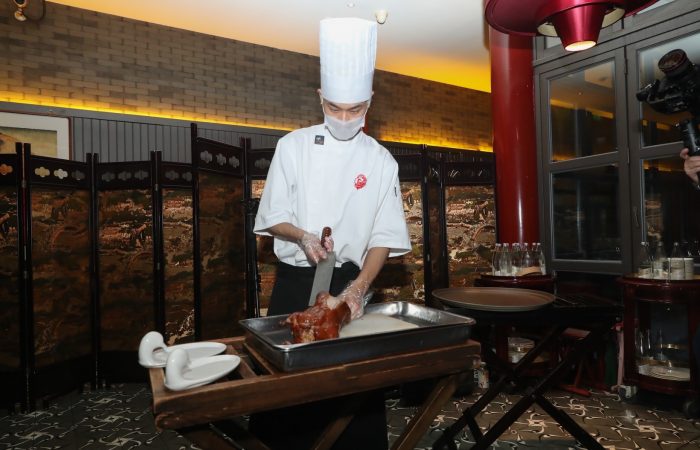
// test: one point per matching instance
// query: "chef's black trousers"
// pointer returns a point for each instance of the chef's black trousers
(293, 286)
(298, 427)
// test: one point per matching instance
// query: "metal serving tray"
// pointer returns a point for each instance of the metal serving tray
(272, 337)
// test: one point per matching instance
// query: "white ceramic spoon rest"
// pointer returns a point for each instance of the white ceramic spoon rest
(154, 353)
(181, 373)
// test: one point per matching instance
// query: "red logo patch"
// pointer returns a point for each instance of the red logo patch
(360, 181)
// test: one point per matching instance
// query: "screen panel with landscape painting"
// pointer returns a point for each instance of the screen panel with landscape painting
(125, 268)
(402, 278)
(9, 279)
(179, 265)
(60, 274)
(222, 253)
(471, 231)
(267, 261)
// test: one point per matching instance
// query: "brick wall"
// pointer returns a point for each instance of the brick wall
(89, 60)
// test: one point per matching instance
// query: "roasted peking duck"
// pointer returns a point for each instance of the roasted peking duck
(321, 321)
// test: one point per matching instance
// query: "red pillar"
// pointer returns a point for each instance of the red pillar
(514, 141)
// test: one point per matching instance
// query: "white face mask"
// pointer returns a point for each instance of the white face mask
(344, 130)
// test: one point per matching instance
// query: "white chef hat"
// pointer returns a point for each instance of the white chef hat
(348, 48)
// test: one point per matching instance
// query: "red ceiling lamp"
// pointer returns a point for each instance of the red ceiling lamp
(576, 22)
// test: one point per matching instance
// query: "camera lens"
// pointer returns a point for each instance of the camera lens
(21, 2)
(675, 63)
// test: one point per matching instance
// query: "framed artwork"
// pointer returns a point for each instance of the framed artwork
(49, 135)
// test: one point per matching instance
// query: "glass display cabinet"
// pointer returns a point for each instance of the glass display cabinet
(661, 315)
(611, 178)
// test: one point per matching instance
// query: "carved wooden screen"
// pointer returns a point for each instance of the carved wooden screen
(258, 164)
(434, 227)
(220, 263)
(176, 181)
(126, 265)
(59, 272)
(10, 343)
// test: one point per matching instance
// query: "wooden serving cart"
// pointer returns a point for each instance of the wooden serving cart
(203, 415)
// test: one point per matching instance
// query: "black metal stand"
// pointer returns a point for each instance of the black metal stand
(559, 316)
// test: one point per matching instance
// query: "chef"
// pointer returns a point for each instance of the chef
(333, 175)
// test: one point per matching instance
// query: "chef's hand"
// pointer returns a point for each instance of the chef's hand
(691, 165)
(314, 250)
(353, 296)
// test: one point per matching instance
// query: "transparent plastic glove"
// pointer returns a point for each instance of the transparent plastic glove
(353, 296)
(311, 244)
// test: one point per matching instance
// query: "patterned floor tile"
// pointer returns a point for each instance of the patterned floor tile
(121, 418)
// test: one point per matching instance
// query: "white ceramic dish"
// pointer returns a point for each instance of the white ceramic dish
(154, 353)
(181, 373)
(494, 298)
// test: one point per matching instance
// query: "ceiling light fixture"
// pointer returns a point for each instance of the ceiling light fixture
(576, 22)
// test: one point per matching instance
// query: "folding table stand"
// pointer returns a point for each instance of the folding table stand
(595, 314)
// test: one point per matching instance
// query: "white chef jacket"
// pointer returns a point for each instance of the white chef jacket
(352, 186)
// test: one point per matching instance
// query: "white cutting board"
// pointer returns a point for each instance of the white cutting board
(374, 323)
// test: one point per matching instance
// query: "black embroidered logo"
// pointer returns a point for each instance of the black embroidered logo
(318, 140)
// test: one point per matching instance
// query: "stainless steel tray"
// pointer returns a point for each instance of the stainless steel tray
(272, 337)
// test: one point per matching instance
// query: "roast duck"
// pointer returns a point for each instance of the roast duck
(324, 319)
(321, 321)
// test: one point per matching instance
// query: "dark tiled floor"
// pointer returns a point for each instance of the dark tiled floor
(120, 417)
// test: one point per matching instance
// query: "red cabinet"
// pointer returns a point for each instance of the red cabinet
(661, 317)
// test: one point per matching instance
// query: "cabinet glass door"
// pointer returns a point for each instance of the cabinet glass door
(670, 206)
(658, 127)
(587, 169)
(661, 341)
(585, 213)
(582, 113)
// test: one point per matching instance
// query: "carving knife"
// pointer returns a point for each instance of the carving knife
(324, 271)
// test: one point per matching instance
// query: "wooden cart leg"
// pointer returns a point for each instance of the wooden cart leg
(420, 421)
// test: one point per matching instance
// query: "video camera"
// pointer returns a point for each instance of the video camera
(678, 91)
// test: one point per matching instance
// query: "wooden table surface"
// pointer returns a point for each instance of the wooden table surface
(257, 386)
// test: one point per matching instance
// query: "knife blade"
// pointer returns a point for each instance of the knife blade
(324, 271)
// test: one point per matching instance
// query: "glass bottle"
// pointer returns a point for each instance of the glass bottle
(506, 262)
(676, 266)
(639, 346)
(659, 346)
(541, 258)
(527, 256)
(659, 261)
(517, 258)
(535, 254)
(645, 269)
(647, 344)
(496, 261)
